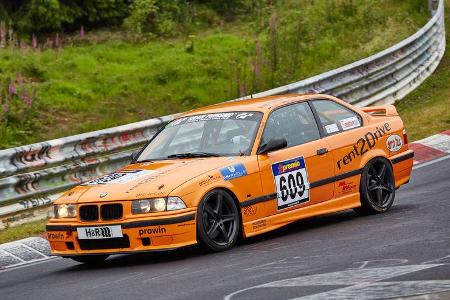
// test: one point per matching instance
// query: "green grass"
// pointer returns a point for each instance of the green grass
(426, 111)
(22, 231)
(102, 82)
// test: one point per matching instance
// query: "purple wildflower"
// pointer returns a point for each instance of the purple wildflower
(57, 41)
(82, 33)
(12, 89)
(34, 41)
(5, 107)
(27, 99)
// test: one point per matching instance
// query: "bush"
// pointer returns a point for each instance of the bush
(41, 16)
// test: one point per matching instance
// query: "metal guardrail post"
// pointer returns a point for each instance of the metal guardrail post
(433, 6)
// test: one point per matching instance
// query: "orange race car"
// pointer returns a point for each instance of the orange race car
(237, 169)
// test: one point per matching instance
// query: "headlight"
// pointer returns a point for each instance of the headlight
(65, 211)
(156, 205)
(174, 203)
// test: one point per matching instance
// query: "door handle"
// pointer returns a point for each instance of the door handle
(322, 151)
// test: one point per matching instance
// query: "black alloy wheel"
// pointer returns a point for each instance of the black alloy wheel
(377, 187)
(218, 221)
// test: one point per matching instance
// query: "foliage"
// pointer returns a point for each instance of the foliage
(102, 80)
(36, 228)
(35, 16)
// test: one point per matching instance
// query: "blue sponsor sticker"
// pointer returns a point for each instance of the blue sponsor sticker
(234, 171)
(288, 166)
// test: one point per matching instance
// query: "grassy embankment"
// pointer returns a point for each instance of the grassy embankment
(426, 111)
(108, 79)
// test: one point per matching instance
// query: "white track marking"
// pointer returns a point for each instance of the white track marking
(383, 290)
(420, 165)
(355, 279)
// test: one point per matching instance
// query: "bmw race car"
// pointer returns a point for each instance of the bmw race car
(237, 169)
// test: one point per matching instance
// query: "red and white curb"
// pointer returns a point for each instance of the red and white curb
(431, 148)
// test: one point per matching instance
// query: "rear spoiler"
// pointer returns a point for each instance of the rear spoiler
(382, 111)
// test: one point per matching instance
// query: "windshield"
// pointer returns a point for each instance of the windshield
(218, 134)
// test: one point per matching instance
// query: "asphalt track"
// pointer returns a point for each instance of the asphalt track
(402, 253)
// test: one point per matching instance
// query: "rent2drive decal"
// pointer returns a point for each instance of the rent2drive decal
(291, 182)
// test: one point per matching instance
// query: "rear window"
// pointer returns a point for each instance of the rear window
(336, 118)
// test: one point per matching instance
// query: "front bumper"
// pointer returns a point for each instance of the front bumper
(144, 234)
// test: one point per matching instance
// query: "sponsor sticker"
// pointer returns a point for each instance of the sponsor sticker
(209, 179)
(331, 128)
(349, 123)
(234, 171)
(291, 182)
(346, 186)
(258, 225)
(250, 210)
(56, 236)
(364, 144)
(243, 116)
(120, 177)
(152, 231)
(394, 143)
(217, 116)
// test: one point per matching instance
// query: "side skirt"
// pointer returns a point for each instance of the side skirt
(270, 223)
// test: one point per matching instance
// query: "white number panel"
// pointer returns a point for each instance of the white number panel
(291, 182)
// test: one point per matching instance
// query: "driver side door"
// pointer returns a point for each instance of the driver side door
(295, 176)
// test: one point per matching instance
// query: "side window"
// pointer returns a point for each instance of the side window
(335, 117)
(295, 123)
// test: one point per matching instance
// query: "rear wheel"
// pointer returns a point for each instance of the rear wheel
(217, 221)
(377, 187)
(90, 259)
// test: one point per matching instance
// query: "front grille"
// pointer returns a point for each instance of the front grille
(89, 213)
(99, 244)
(111, 212)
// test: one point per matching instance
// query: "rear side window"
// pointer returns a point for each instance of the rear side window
(295, 123)
(335, 117)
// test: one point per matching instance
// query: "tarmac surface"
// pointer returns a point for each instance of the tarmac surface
(403, 253)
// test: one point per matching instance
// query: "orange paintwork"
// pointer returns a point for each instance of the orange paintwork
(190, 179)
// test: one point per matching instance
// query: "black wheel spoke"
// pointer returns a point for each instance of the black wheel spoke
(228, 217)
(213, 227)
(386, 188)
(379, 196)
(219, 203)
(224, 232)
(382, 171)
(210, 211)
(372, 187)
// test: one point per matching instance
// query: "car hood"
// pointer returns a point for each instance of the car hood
(143, 180)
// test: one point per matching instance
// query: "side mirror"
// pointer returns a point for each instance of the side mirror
(273, 145)
(134, 155)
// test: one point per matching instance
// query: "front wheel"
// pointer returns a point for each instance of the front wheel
(377, 187)
(90, 259)
(217, 221)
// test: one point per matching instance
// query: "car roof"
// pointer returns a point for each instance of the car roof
(264, 104)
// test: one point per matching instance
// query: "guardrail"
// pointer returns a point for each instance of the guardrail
(33, 176)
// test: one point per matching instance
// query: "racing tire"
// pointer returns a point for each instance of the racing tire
(377, 188)
(218, 221)
(90, 259)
